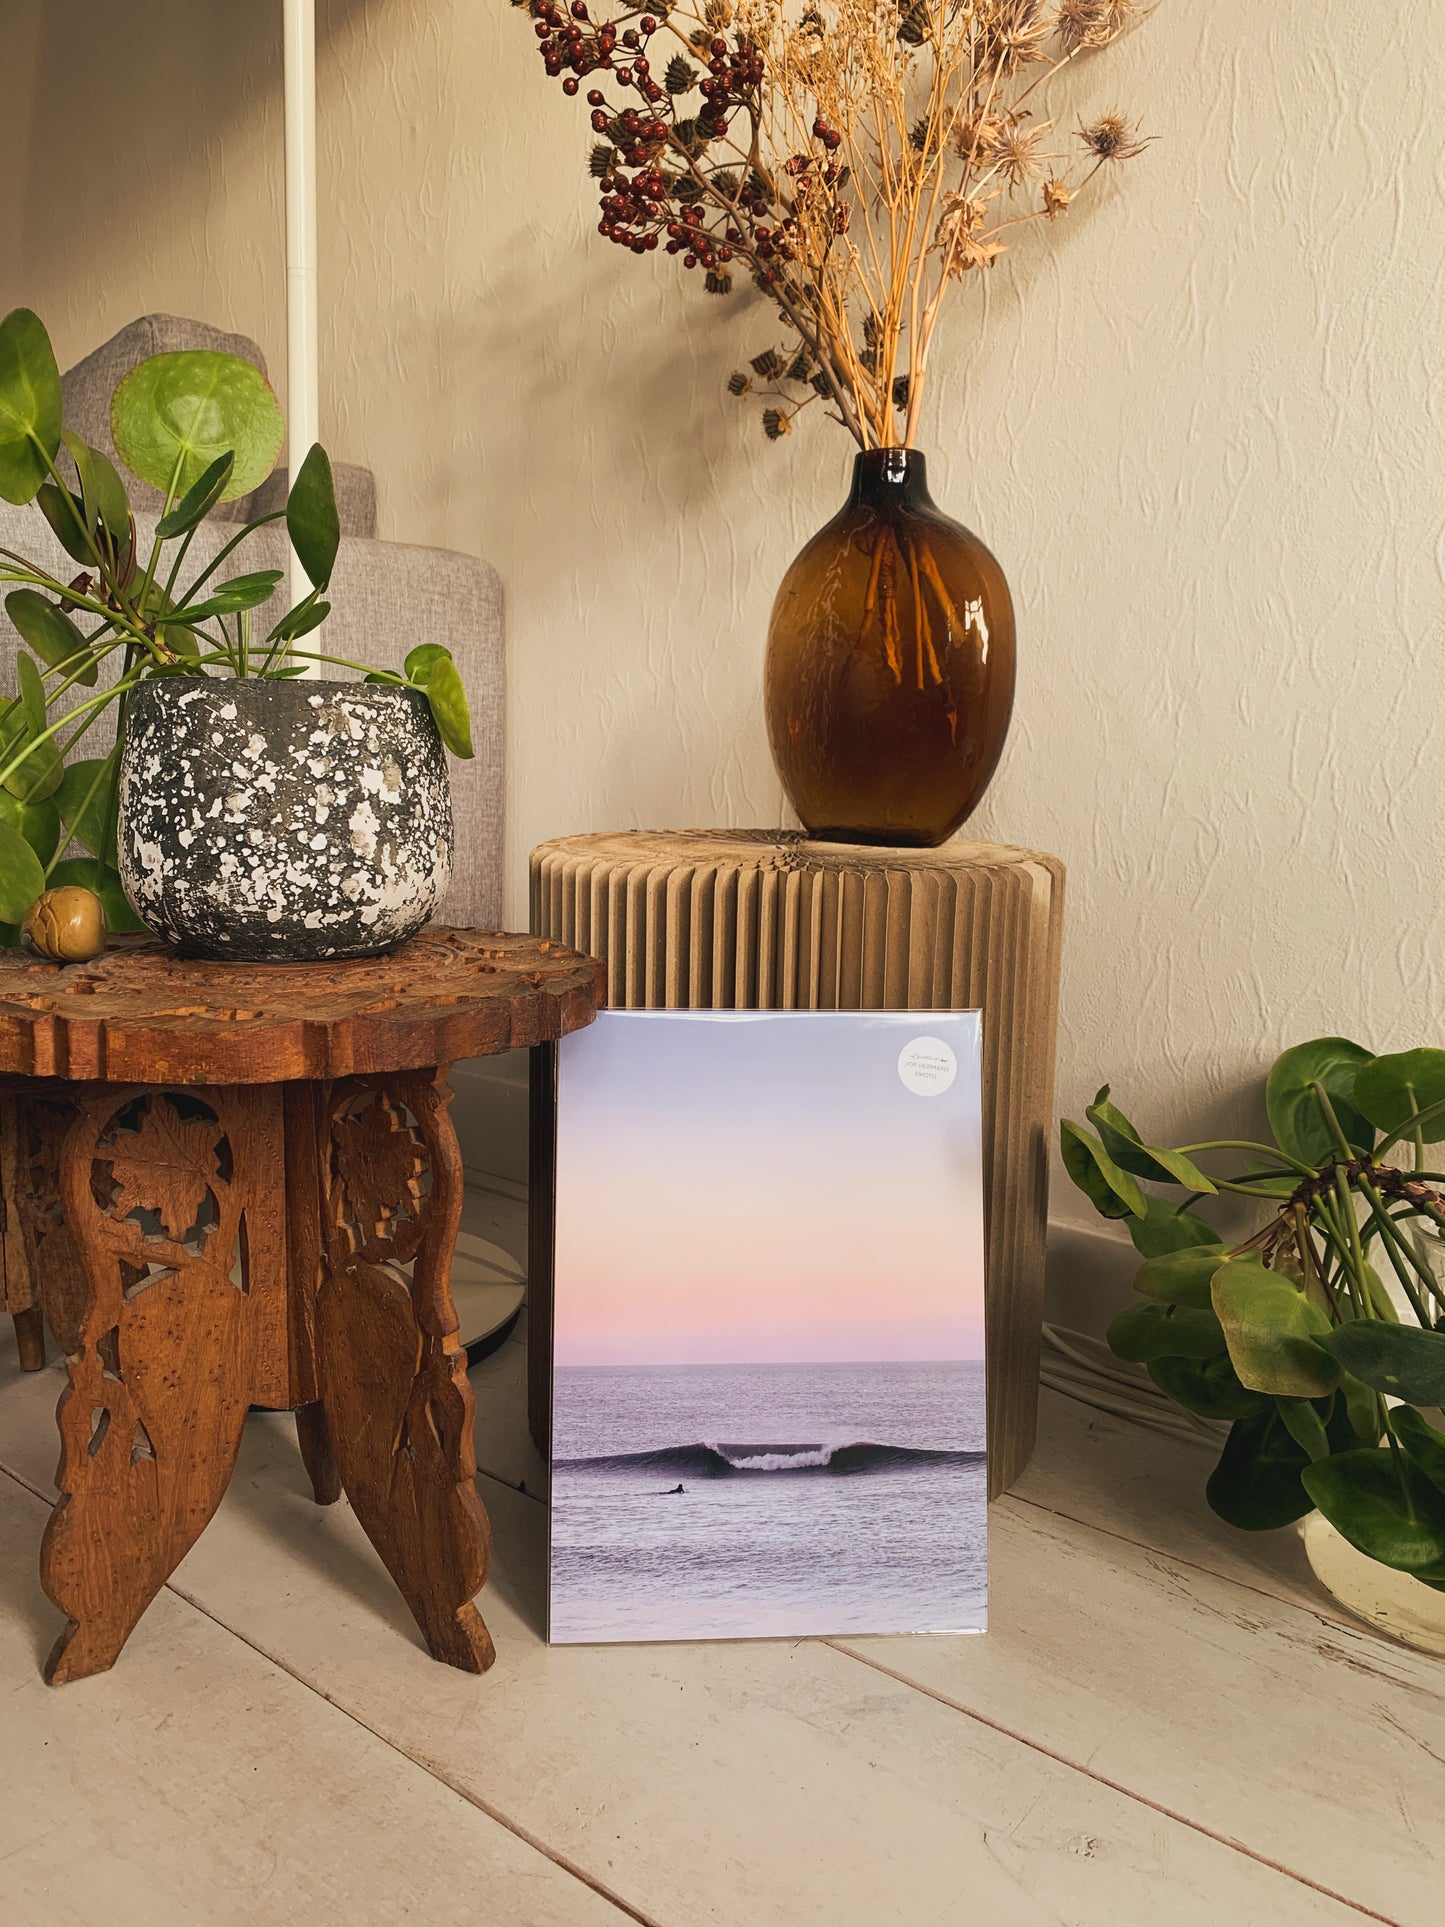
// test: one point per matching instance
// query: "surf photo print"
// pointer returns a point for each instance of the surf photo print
(768, 1385)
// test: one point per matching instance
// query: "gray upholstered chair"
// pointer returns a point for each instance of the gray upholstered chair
(385, 596)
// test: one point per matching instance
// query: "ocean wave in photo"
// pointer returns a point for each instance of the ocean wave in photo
(697, 1502)
(705, 1461)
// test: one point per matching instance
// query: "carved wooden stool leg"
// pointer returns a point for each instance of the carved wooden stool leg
(17, 1283)
(30, 1338)
(314, 1438)
(391, 1366)
(156, 1185)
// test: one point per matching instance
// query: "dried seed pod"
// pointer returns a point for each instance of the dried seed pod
(738, 383)
(718, 281)
(768, 365)
(914, 23)
(67, 925)
(680, 75)
(776, 424)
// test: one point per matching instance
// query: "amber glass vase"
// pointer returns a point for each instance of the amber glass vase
(890, 667)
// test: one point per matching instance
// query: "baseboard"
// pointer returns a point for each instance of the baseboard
(1088, 1276)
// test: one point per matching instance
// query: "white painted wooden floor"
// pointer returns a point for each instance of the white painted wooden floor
(1166, 1725)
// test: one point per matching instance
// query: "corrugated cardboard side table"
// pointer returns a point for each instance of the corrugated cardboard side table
(766, 920)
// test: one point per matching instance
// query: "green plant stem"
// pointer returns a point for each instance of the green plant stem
(1244, 1190)
(1352, 1229)
(177, 560)
(248, 528)
(34, 575)
(1412, 1129)
(342, 662)
(1248, 1144)
(1309, 1257)
(1338, 1242)
(1390, 1239)
(1410, 1256)
(1332, 1123)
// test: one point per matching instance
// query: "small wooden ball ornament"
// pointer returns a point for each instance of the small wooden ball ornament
(66, 925)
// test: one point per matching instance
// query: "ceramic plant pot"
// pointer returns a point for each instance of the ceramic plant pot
(890, 666)
(283, 822)
(1392, 1602)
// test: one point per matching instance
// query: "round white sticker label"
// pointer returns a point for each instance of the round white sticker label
(927, 1066)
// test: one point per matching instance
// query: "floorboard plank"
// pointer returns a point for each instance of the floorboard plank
(1318, 1747)
(767, 1784)
(198, 1783)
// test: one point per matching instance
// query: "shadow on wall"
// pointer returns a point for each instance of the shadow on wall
(563, 399)
(127, 127)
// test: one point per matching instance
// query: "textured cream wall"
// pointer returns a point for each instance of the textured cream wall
(1202, 431)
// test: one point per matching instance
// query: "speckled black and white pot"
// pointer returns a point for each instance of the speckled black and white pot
(283, 822)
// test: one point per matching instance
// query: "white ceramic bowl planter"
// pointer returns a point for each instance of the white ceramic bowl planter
(283, 821)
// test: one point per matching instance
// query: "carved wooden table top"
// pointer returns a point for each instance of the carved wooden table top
(140, 1012)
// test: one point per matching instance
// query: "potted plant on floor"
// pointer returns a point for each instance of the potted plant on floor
(1320, 1337)
(854, 162)
(242, 812)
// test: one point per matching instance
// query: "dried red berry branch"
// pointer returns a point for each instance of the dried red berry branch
(856, 159)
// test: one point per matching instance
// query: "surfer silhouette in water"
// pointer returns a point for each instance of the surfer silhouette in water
(672, 1491)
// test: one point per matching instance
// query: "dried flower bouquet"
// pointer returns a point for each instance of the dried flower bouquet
(856, 158)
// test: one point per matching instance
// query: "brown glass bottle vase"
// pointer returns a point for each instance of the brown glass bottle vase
(890, 666)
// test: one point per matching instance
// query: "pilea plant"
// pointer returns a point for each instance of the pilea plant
(202, 428)
(1330, 1380)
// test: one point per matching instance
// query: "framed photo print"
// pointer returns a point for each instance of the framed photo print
(768, 1392)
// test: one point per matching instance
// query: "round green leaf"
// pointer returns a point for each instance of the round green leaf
(1361, 1410)
(1149, 1331)
(231, 597)
(30, 406)
(448, 698)
(65, 512)
(1256, 1485)
(51, 633)
(84, 802)
(199, 499)
(1384, 1505)
(1208, 1387)
(1112, 1192)
(21, 875)
(1295, 1117)
(421, 660)
(102, 491)
(1181, 1277)
(312, 521)
(1271, 1329)
(1131, 1153)
(174, 415)
(1165, 1227)
(106, 884)
(37, 821)
(1422, 1444)
(1305, 1426)
(40, 772)
(1402, 1361)
(1389, 1090)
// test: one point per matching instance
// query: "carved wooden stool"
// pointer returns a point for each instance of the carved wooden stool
(228, 1185)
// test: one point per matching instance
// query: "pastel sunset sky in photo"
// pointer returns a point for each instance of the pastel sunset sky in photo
(764, 1188)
